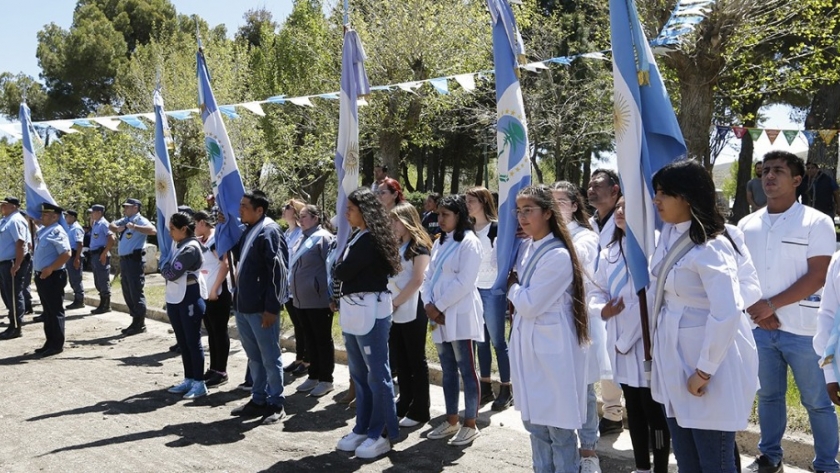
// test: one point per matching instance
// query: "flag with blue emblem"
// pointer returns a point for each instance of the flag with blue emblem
(224, 173)
(35, 187)
(514, 167)
(647, 134)
(165, 199)
(354, 83)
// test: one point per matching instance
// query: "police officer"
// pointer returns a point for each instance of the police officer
(74, 267)
(101, 242)
(132, 230)
(52, 251)
(14, 263)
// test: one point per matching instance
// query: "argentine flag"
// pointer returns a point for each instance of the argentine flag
(224, 173)
(35, 187)
(165, 200)
(514, 166)
(647, 134)
(354, 83)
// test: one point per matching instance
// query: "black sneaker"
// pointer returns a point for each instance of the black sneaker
(300, 370)
(216, 379)
(291, 366)
(251, 409)
(273, 414)
(610, 427)
(245, 386)
(763, 464)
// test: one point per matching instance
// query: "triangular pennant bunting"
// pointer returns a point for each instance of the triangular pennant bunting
(755, 133)
(722, 131)
(790, 135)
(739, 131)
(441, 85)
(467, 81)
(827, 135)
(772, 135)
(810, 135)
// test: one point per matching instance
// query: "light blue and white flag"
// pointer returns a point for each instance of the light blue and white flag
(35, 187)
(224, 173)
(354, 83)
(514, 167)
(165, 199)
(647, 134)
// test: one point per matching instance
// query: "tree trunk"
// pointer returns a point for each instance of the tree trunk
(316, 188)
(454, 184)
(366, 157)
(745, 162)
(823, 115)
(536, 167)
(419, 164)
(440, 173)
(696, 110)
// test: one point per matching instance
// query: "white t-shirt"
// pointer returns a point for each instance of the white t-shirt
(780, 250)
(487, 271)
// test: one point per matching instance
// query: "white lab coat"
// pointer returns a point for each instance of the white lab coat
(597, 362)
(624, 331)
(547, 363)
(455, 292)
(825, 317)
(701, 326)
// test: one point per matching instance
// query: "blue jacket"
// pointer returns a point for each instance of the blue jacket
(262, 278)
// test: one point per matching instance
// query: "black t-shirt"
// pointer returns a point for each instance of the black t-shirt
(364, 269)
(430, 223)
(819, 193)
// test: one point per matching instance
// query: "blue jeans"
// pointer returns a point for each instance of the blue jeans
(185, 318)
(777, 350)
(367, 357)
(702, 451)
(494, 332)
(458, 356)
(553, 450)
(262, 345)
(589, 433)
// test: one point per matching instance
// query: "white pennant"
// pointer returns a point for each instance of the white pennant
(108, 123)
(467, 81)
(301, 101)
(253, 107)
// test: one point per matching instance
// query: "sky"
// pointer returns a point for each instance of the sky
(20, 25)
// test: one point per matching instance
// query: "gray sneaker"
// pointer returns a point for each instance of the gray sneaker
(321, 389)
(307, 385)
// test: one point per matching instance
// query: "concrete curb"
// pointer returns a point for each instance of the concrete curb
(798, 448)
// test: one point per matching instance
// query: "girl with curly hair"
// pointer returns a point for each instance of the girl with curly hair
(453, 305)
(549, 330)
(371, 257)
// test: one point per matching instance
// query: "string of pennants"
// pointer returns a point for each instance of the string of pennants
(827, 136)
(685, 16)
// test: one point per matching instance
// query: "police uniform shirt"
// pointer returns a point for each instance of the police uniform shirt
(12, 229)
(76, 235)
(52, 241)
(131, 240)
(99, 234)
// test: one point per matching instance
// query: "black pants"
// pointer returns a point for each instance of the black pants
(14, 299)
(51, 292)
(408, 346)
(216, 320)
(320, 350)
(646, 418)
(133, 281)
(301, 352)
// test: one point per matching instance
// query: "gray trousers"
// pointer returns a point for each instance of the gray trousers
(75, 277)
(101, 274)
(133, 281)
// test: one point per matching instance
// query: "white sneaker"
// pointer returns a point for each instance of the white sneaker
(466, 435)
(350, 442)
(372, 448)
(590, 465)
(321, 389)
(307, 385)
(445, 429)
(407, 422)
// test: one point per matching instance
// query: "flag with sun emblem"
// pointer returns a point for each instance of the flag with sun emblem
(647, 134)
(224, 173)
(354, 83)
(514, 167)
(165, 200)
(35, 187)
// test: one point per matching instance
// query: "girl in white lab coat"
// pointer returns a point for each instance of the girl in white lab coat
(570, 204)
(548, 332)
(614, 299)
(705, 366)
(454, 309)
